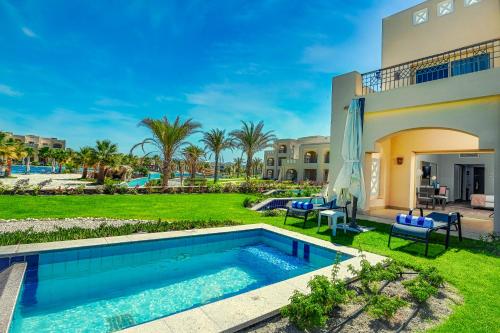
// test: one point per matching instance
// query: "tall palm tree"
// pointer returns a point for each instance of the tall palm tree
(85, 157)
(216, 141)
(192, 156)
(237, 166)
(61, 157)
(257, 165)
(30, 152)
(179, 165)
(167, 138)
(105, 156)
(251, 138)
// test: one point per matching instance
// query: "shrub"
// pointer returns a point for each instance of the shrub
(36, 190)
(109, 186)
(310, 311)
(384, 307)
(432, 276)
(247, 202)
(80, 189)
(273, 212)
(420, 289)
(370, 275)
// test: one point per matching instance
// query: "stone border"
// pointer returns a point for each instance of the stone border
(11, 280)
(227, 315)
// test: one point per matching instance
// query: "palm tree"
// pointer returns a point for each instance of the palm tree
(237, 166)
(44, 154)
(105, 156)
(216, 141)
(179, 165)
(85, 157)
(192, 156)
(10, 149)
(61, 157)
(167, 138)
(251, 139)
(29, 154)
(257, 165)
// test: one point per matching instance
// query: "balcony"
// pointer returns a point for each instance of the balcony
(469, 59)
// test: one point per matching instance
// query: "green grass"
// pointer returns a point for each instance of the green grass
(471, 266)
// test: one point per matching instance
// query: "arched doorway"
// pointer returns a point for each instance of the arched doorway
(291, 175)
(398, 167)
(310, 157)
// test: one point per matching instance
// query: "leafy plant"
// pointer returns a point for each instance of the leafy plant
(384, 307)
(247, 202)
(370, 275)
(273, 212)
(420, 289)
(312, 310)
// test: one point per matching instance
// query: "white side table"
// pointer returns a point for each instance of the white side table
(332, 216)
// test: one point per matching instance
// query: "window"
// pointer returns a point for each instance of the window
(470, 65)
(325, 176)
(420, 16)
(468, 3)
(445, 7)
(327, 157)
(270, 173)
(431, 73)
(270, 162)
(280, 160)
(310, 157)
(57, 145)
(291, 174)
(282, 149)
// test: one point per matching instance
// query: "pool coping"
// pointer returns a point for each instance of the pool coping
(11, 280)
(226, 315)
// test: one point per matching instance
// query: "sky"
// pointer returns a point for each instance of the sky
(88, 70)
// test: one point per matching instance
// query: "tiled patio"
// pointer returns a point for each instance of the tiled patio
(476, 222)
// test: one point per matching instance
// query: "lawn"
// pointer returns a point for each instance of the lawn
(471, 266)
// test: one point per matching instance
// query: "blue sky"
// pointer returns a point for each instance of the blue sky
(87, 70)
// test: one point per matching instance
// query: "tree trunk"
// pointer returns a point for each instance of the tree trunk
(28, 165)
(60, 168)
(181, 174)
(53, 163)
(353, 223)
(216, 171)
(248, 167)
(8, 170)
(166, 173)
(102, 175)
(85, 172)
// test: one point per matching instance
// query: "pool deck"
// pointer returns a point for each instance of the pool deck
(227, 315)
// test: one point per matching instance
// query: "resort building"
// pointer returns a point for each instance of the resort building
(38, 142)
(431, 114)
(302, 159)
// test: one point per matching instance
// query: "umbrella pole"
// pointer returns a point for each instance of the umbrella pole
(353, 223)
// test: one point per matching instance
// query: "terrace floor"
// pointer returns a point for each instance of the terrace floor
(475, 222)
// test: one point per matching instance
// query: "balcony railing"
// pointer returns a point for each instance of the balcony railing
(461, 61)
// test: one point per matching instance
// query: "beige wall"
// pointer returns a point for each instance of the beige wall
(402, 41)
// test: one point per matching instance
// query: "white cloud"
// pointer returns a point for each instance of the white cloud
(28, 32)
(7, 90)
(113, 102)
(164, 98)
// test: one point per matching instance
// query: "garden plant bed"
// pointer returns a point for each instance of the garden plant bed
(354, 317)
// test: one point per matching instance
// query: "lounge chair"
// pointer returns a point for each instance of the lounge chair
(422, 233)
(304, 213)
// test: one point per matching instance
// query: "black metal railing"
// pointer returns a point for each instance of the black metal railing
(469, 59)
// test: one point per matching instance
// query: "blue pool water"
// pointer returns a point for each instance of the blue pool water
(107, 288)
(21, 169)
(143, 180)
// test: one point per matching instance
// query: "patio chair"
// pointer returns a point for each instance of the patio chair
(425, 195)
(422, 233)
(332, 205)
(300, 212)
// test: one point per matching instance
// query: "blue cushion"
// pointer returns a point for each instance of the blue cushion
(415, 221)
(300, 205)
(308, 206)
(294, 204)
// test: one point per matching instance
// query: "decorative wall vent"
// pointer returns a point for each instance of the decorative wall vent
(471, 155)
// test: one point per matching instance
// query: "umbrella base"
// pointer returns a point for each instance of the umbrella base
(360, 229)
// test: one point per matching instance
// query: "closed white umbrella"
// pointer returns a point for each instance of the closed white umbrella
(350, 184)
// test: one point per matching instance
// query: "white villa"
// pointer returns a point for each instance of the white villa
(432, 112)
(302, 159)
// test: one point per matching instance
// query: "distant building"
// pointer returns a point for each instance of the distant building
(38, 142)
(302, 159)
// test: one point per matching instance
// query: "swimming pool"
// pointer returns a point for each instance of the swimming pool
(143, 180)
(111, 287)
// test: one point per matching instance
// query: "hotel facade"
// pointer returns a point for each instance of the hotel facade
(298, 160)
(37, 142)
(432, 112)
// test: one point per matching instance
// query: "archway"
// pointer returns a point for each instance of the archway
(291, 174)
(311, 157)
(392, 173)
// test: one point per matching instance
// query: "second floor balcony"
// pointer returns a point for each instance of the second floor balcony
(465, 60)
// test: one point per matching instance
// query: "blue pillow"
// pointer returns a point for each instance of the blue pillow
(308, 206)
(294, 204)
(416, 221)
